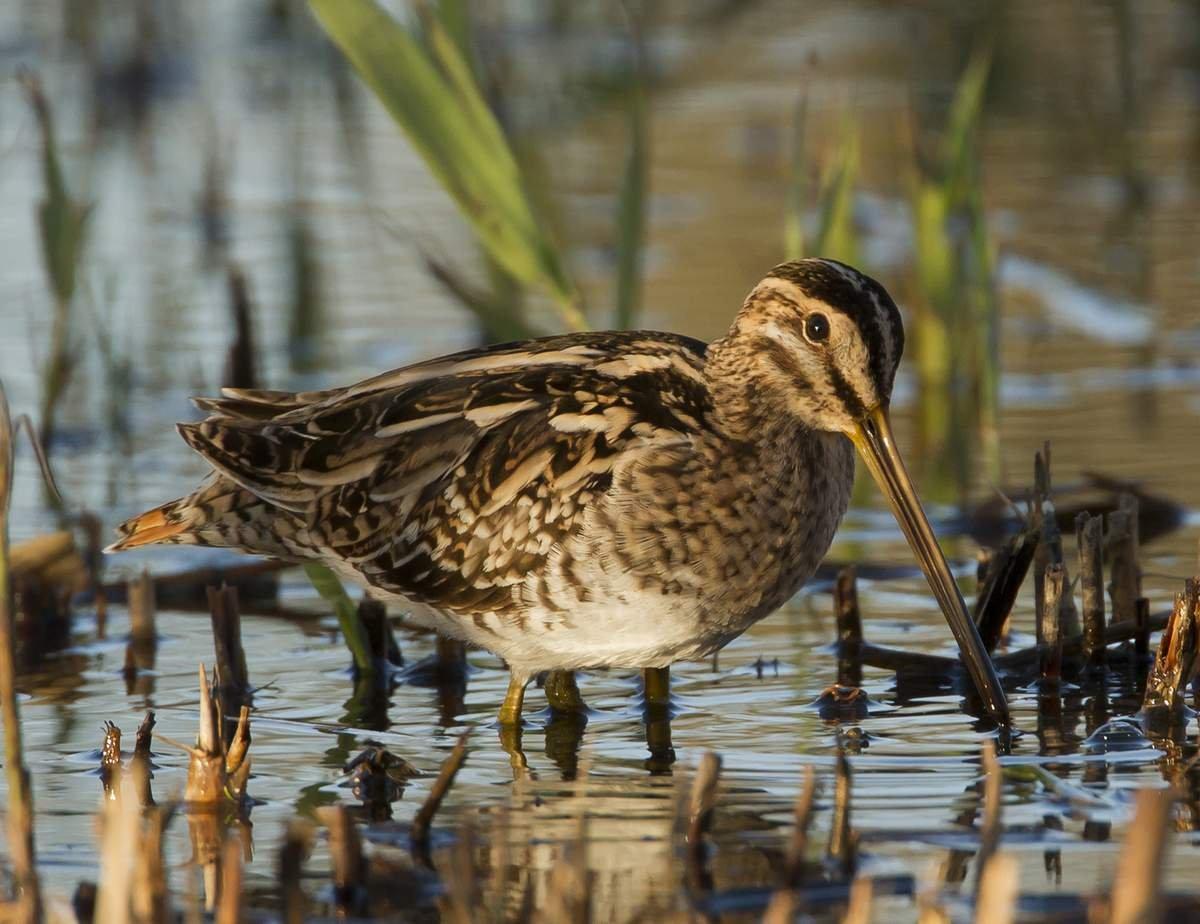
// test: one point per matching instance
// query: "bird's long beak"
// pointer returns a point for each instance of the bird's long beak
(875, 443)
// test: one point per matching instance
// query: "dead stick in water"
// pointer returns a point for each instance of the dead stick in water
(898, 659)
(1135, 893)
(419, 833)
(22, 854)
(849, 625)
(1089, 534)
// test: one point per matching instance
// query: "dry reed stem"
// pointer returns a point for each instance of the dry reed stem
(782, 907)
(701, 801)
(990, 826)
(297, 841)
(703, 798)
(229, 905)
(794, 866)
(119, 858)
(349, 864)
(142, 610)
(842, 845)
(22, 853)
(1178, 651)
(861, 895)
(1136, 897)
(419, 833)
(1121, 549)
(996, 902)
(151, 899)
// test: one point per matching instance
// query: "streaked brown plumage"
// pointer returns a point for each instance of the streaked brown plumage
(622, 499)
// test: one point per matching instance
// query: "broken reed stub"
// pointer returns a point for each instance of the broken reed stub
(142, 606)
(1050, 624)
(849, 628)
(1125, 579)
(214, 771)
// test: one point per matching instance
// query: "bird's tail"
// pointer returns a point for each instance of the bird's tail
(218, 513)
(168, 523)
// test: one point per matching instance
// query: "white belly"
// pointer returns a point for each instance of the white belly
(651, 631)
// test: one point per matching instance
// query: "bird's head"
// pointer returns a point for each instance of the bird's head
(826, 340)
(823, 341)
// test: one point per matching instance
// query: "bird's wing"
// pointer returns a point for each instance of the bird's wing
(450, 480)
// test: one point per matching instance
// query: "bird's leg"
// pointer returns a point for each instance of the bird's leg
(656, 687)
(656, 684)
(510, 711)
(562, 693)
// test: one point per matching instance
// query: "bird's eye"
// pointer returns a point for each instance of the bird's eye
(816, 328)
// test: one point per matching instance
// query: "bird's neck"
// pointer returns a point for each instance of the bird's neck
(743, 407)
(747, 413)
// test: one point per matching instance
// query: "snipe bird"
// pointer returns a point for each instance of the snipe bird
(620, 499)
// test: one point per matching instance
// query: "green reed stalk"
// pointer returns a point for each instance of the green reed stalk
(62, 225)
(429, 88)
(332, 592)
(955, 332)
